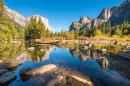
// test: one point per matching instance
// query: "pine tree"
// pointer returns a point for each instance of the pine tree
(39, 21)
(99, 26)
(1, 8)
(109, 28)
(124, 24)
(84, 31)
(103, 28)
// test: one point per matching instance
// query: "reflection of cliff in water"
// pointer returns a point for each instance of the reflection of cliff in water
(30, 57)
(114, 63)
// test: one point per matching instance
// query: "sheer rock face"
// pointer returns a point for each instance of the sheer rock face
(14, 15)
(105, 15)
(116, 15)
(75, 26)
(84, 20)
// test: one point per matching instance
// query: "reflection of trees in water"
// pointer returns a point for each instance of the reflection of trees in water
(37, 55)
(105, 60)
(8, 51)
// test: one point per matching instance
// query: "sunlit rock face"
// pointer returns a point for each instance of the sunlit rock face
(14, 15)
(116, 15)
(84, 20)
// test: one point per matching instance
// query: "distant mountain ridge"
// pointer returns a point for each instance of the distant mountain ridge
(116, 15)
(14, 15)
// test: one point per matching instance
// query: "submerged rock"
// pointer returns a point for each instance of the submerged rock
(38, 71)
(77, 81)
(83, 80)
(31, 48)
(2, 71)
(55, 81)
(7, 78)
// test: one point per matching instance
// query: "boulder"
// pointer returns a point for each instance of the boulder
(31, 48)
(2, 71)
(55, 81)
(9, 65)
(7, 78)
(38, 71)
(24, 70)
(77, 81)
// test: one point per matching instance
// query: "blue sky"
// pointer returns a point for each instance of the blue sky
(61, 13)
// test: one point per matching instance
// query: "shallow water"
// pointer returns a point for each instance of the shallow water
(103, 69)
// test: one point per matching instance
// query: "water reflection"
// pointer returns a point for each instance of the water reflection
(105, 60)
(9, 51)
(72, 59)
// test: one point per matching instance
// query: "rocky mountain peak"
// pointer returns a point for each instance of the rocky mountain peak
(14, 15)
(115, 15)
(84, 20)
(105, 14)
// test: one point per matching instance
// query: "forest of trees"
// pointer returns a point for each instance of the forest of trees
(122, 30)
(102, 30)
(36, 30)
(9, 29)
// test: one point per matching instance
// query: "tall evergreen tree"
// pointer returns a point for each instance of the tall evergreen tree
(99, 25)
(103, 28)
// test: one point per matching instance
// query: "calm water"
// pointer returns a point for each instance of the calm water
(106, 69)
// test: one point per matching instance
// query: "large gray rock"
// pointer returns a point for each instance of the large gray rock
(14, 15)
(9, 65)
(7, 78)
(2, 71)
(38, 71)
(55, 81)
(24, 70)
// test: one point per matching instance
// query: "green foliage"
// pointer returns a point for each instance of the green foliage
(36, 30)
(118, 32)
(8, 28)
(98, 33)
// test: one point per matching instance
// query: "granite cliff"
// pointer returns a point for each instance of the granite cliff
(14, 15)
(116, 15)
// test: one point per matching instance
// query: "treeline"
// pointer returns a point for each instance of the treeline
(36, 30)
(9, 29)
(122, 30)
